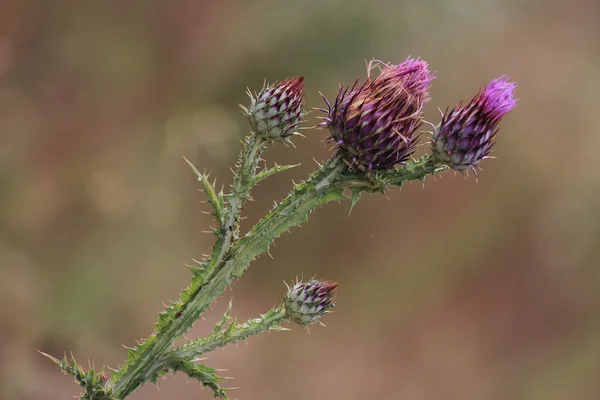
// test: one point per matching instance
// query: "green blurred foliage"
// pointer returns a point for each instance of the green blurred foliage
(463, 289)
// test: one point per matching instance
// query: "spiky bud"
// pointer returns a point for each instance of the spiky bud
(306, 302)
(277, 110)
(374, 124)
(466, 134)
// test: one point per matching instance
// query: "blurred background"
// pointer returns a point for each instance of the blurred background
(459, 289)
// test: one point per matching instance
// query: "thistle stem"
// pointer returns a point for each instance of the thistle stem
(325, 185)
(142, 363)
(269, 321)
(412, 170)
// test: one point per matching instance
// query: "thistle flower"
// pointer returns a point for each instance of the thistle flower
(374, 124)
(277, 110)
(465, 135)
(306, 302)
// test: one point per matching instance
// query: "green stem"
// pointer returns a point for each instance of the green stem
(326, 184)
(269, 321)
(204, 374)
(142, 362)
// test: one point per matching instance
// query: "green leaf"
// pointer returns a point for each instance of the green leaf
(97, 385)
(214, 199)
(265, 173)
(354, 198)
(205, 375)
(224, 320)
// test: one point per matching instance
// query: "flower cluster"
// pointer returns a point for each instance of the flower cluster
(375, 124)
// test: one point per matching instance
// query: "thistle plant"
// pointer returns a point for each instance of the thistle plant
(375, 128)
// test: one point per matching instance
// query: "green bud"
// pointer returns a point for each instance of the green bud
(306, 302)
(277, 110)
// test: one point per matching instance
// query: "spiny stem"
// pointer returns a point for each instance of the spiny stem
(332, 179)
(269, 321)
(412, 170)
(141, 365)
(324, 185)
(240, 192)
(207, 376)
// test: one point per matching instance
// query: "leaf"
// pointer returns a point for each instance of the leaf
(354, 198)
(97, 385)
(224, 320)
(214, 199)
(205, 375)
(265, 173)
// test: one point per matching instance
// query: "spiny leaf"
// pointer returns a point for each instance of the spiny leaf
(201, 272)
(51, 358)
(214, 199)
(354, 198)
(97, 385)
(231, 328)
(265, 173)
(205, 375)
(224, 320)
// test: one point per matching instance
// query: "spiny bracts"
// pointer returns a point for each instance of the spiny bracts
(374, 124)
(277, 110)
(306, 302)
(466, 134)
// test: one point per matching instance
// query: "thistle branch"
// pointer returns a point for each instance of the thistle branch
(97, 385)
(177, 319)
(326, 184)
(232, 334)
(207, 376)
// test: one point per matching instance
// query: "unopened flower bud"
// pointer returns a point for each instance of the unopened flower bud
(306, 302)
(374, 124)
(277, 110)
(466, 134)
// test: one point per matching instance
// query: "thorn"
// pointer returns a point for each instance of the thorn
(51, 358)
(192, 166)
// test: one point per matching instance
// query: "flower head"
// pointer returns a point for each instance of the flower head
(277, 110)
(374, 124)
(306, 302)
(465, 135)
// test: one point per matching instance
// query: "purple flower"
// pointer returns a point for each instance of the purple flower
(465, 135)
(374, 123)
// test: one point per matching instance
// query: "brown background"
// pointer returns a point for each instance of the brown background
(459, 290)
